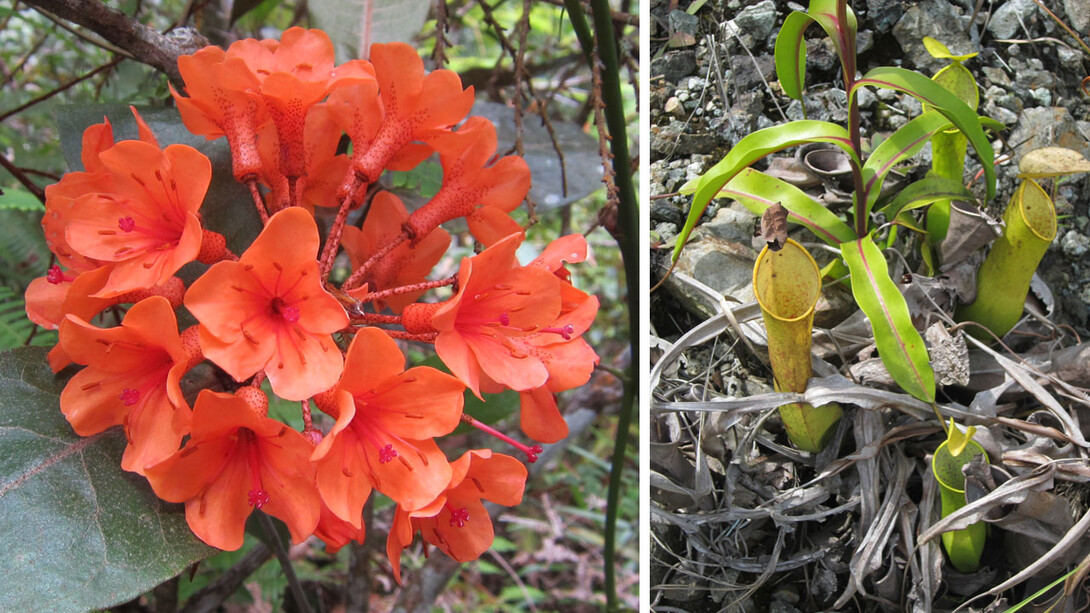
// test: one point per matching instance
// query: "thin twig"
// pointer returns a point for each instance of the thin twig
(18, 173)
(61, 88)
(285, 563)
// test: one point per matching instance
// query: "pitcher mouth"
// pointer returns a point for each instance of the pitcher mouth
(791, 243)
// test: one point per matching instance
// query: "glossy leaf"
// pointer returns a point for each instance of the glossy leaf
(935, 95)
(79, 533)
(757, 191)
(751, 148)
(899, 343)
(940, 51)
(791, 54)
(824, 12)
(924, 192)
(905, 142)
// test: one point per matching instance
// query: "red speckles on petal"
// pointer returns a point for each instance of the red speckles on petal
(129, 396)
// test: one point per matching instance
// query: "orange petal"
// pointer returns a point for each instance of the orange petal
(539, 416)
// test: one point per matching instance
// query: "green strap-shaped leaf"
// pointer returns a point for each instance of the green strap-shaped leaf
(924, 192)
(751, 148)
(791, 54)
(905, 142)
(931, 93)
(757, 191)
(899, 343)
(824, 12)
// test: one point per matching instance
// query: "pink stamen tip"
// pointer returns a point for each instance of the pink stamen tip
(459, 517)
(386, 454)
(567, 332)
(290, 314)
(532, 453)
(127, 224)
(258, 498)
(129, 396)
(504, 319)
(55, 275)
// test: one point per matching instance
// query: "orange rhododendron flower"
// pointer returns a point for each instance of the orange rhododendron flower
(336, 532)
(406, 264)
(483, 193)
(497, 304)
(413, 105)
(268, 311)
(386, 418)
(457, 522)
(132, 378)
(235, 461)
(146, 226)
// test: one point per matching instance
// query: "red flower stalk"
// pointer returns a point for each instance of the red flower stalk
(132, 378)
(386, 419)
(482, 329)
(268, 311)
(482, 192)
(236, 461)
(405, 265)
(457, 522)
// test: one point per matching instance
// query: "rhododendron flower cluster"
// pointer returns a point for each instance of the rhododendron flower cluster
(123, 228)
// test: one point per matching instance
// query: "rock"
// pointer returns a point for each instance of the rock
(867, 99)
(1002, 115)
(671, 140)
(723, 265)
(674, 65)
(864, 40)
(1004, 22)
(937, 19)
(911, 106)
(1009, 102)
(1075, 245)
(997, 76)
(1046, 126)
(1078, 14)
(673, 106)
(747, 72)
(1041, 96)
(821, 57)
(664, 212)
(731, 223)
(757, 20)
(680, 21)
(884, 14)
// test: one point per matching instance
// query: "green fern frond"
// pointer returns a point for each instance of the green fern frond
(15, 328)
(23, 252)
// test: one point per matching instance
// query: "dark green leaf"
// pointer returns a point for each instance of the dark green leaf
(79, 532)
(899, 343)
(929, 92)
(751, 148)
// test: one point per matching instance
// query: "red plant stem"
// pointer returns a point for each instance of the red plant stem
(357, 277)
(307, 423)
(375, 318)
(332, 241)
(406, 289)
(531, 452)
(854, 121)
(259, 202)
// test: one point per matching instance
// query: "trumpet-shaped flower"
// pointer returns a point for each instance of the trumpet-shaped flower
(482, 327)
(482, 192)
(385, 132)
(269, 311)
(386, 418)
(235, 461)
(406, 264)
(457, 521)
(132, 378)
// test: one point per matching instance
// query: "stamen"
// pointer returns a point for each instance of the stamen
(504, 319)
(291, 314)
(129, 396)
(531, 452)
(127, 224)
(257, 497)
(566, 331)
(55, 275)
